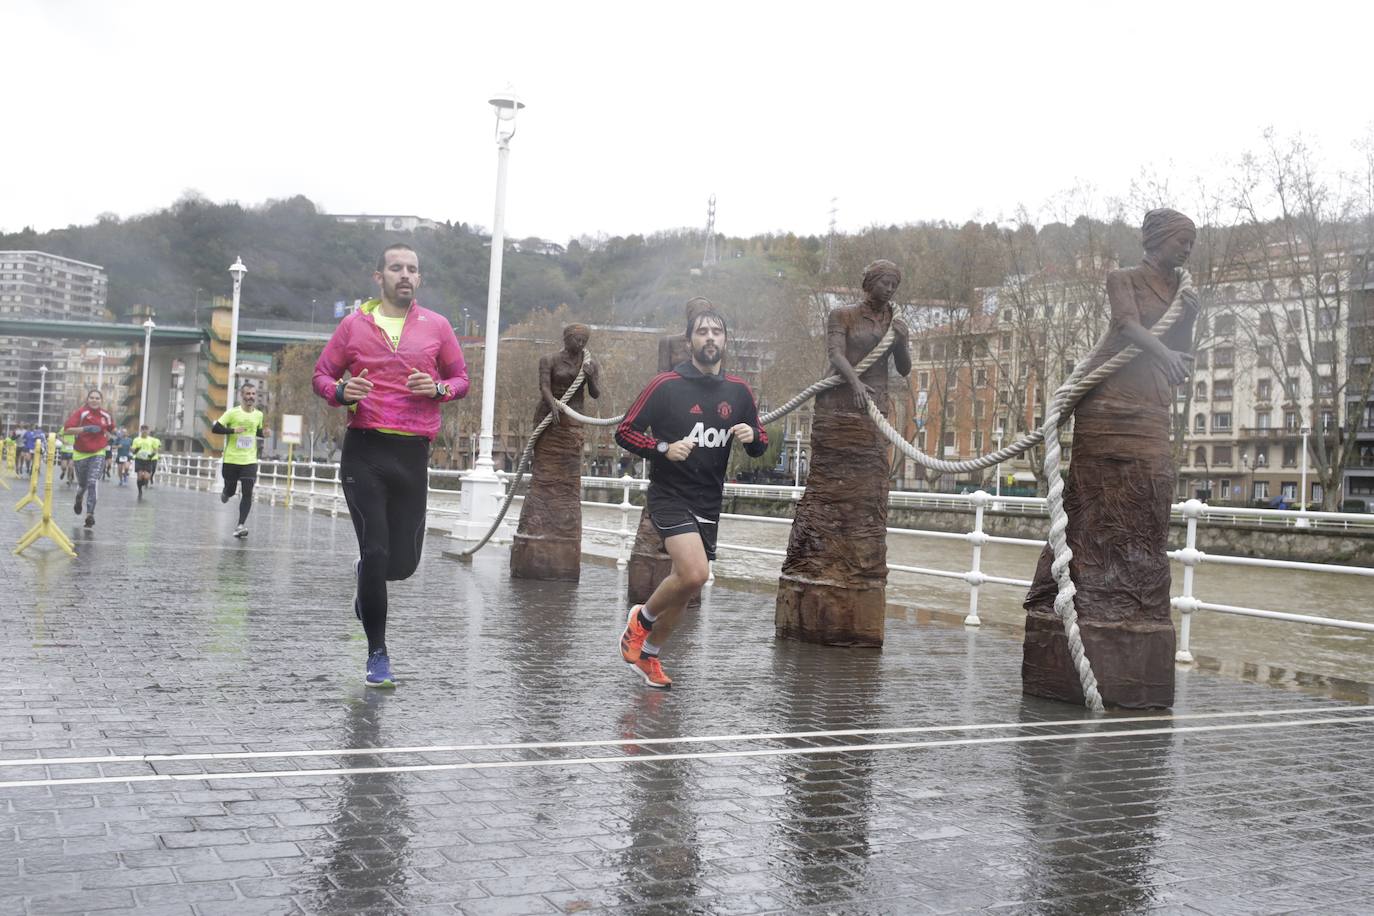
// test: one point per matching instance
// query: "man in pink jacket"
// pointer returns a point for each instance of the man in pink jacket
(401, 363)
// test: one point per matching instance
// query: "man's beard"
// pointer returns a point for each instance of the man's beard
(710, 359)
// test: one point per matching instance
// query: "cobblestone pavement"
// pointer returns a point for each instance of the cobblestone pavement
(168, 637)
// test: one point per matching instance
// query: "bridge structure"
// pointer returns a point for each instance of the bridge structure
(186, 363)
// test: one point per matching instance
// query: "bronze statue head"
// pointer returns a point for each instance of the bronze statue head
(1167, 236)
(881, 279)
(575, 337)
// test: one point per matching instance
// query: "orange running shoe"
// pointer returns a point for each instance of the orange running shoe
(632, 637)
(652, 672)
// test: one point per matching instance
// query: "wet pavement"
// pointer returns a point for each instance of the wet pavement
(521, 769)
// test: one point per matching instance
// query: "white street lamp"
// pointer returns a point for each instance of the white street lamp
(100, 371)
(237, 270)
(507, 105)
(796, 460)
(1302, 497)
(481, 487)
(148, 326)
(42, 389)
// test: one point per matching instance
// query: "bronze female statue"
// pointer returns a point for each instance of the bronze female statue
(833, 587)
(1119, 490)
(548, 540)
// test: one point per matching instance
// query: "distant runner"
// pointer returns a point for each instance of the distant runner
(242, 430)
(30, 448)
(90, 427)
(146, 449)
(66, 449)
(402, 362)
(695, 413)
(124, 455)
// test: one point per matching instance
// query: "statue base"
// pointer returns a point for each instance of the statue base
(649, 564)
(1133, 662)
(831, 615)
(553, 558)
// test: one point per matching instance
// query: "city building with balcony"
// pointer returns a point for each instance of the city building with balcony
(36, 284)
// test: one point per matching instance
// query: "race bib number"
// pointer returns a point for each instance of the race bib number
(243, 442)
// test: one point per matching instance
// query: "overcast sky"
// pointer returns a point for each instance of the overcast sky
(640, 111)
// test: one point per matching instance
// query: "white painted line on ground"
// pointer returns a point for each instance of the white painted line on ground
(684, 739)
(700, 755)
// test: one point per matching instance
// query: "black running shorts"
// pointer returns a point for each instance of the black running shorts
(236, 472)
(671, 515)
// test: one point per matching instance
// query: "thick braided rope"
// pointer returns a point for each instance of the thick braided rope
(1068, 395)
(525, 458)
(829, 381)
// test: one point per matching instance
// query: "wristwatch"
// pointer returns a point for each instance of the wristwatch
(440, 390)
(662, 448)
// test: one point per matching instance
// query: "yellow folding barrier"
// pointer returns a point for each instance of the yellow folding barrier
(7, 448)
(32, 495)
(45, 527)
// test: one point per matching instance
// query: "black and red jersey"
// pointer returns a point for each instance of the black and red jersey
(688, 404)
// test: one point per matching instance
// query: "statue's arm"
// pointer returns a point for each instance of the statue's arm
(546, 383)
(901, 347)
(836, 340)
(1126, 317)
(592, 381)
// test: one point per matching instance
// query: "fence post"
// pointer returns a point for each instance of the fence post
(1190, 557)
(974, 577)
(626, 537)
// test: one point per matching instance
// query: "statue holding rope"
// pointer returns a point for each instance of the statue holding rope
(1120, 486)
(833, 588)
(548, 540)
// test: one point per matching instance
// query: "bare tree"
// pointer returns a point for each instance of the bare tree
(1304, 246)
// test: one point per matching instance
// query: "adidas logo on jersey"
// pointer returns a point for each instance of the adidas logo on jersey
(696, 408)
(708, 438)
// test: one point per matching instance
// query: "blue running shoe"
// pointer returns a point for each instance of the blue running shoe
(379, 671)
(357, 608)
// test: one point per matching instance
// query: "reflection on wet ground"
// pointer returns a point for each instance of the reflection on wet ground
(521, 769)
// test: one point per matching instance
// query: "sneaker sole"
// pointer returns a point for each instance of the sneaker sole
(384, 684)
(240, 534)
(649, 683)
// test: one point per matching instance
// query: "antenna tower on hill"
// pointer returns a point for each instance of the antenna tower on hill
(709, 257)
(830, 240)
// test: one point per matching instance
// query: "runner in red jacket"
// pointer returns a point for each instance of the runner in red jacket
(92, 426)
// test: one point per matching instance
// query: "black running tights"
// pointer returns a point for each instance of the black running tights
(386, 484)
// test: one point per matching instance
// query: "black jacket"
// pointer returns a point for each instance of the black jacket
(687, 404)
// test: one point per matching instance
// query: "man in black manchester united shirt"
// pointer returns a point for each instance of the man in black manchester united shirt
(684, 422)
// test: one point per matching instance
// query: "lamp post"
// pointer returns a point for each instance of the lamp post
(796, 460)
(237, 270)
(42, 389)
(481, 487)
(1301, 522)
(148, 326)
(100, 371)
(507, 105)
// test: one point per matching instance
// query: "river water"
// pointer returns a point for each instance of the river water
(1267, 650)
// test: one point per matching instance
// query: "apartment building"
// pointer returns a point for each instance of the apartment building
(36, 284)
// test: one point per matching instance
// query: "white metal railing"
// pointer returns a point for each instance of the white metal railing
(315, 485)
